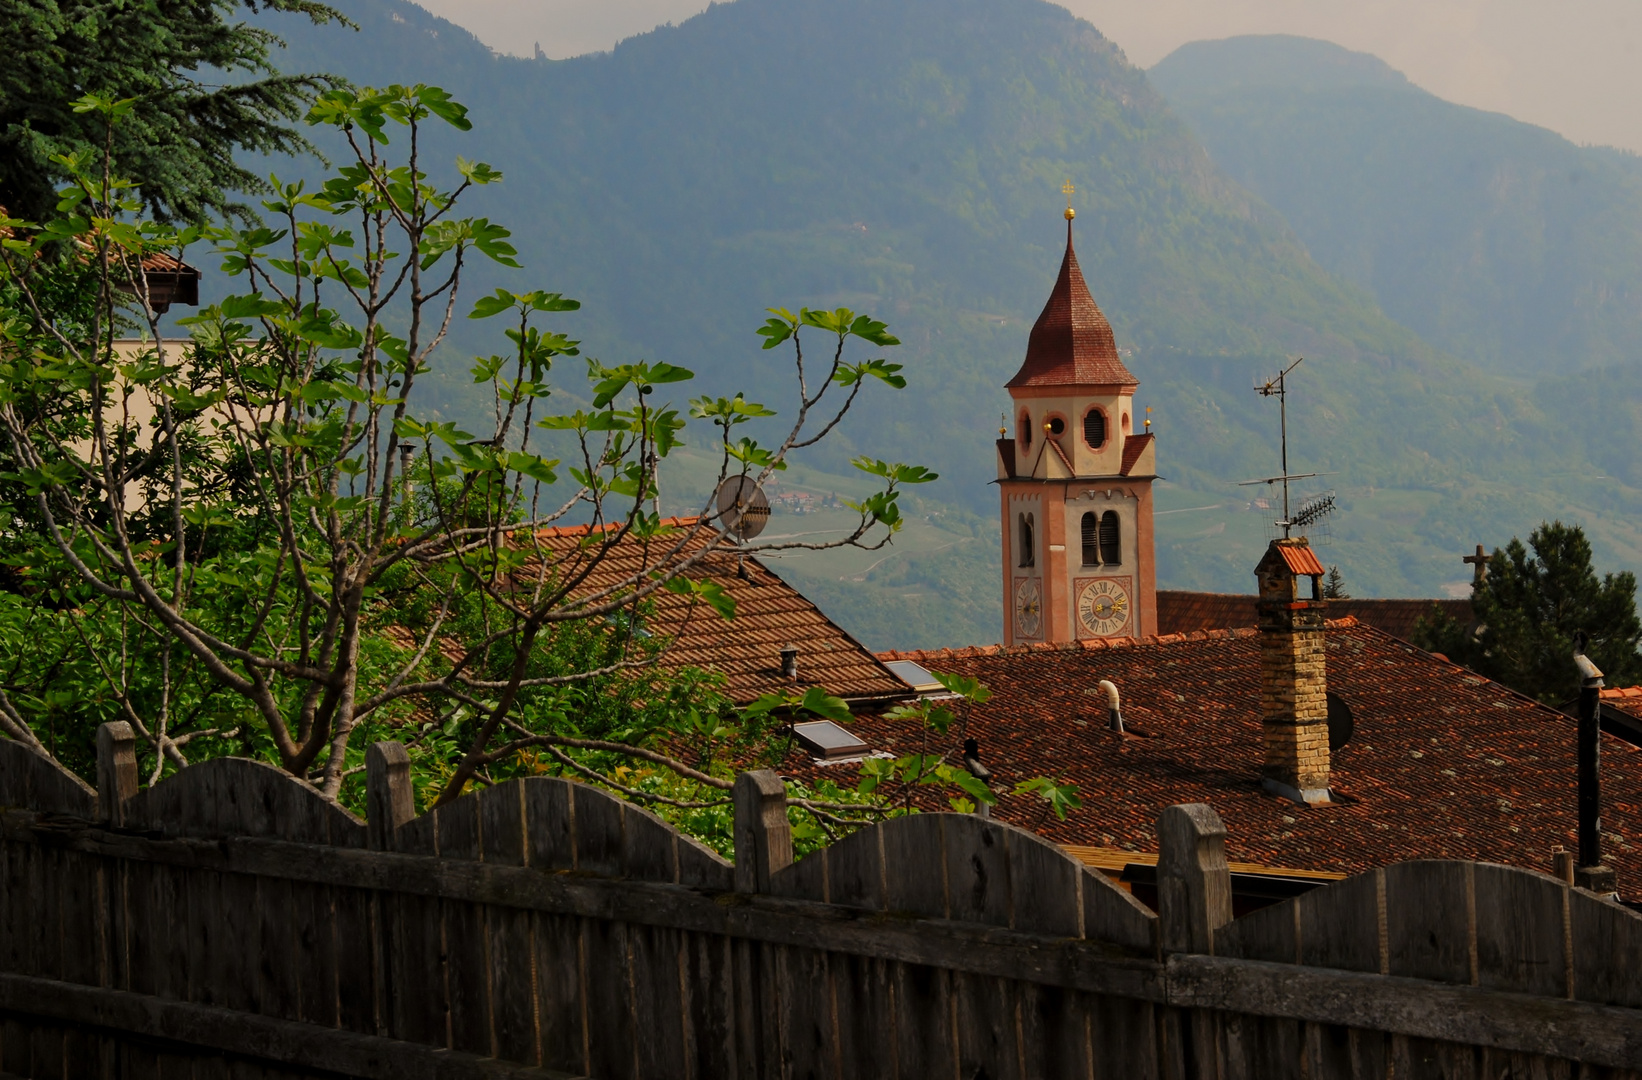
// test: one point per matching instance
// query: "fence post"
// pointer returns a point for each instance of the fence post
(116, 770)
(389, 800)
(763, 838)
(1193, 901)
(1193, 881)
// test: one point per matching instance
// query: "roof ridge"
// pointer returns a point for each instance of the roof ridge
(1023, 648)
(555, 531)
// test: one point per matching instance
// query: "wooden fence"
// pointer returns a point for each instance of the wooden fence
(229, 922)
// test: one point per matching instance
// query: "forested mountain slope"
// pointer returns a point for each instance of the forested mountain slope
(1495, 240)
(905, 157)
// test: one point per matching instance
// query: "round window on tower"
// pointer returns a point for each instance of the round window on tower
(1054, 425)
(1025, 434)
(1094, 429)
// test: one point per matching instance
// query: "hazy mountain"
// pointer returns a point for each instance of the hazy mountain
(905, 157)
(1493, 239)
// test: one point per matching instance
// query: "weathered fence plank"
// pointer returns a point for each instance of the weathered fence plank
(280, 981)
(30, 779)
(609, 980)
(915, 865)
(988, 1022)
(710, 1012)
(926, 1036)
(467, 968)
(1430, 920)
(235, 797)
(315, 946)
(1607, 945)
(1521, 928)
(564, 1017)
(659, 1000)
(510, 947)
(1054, 1031)
(803, 1003)
(358, 960)
(864, 1011)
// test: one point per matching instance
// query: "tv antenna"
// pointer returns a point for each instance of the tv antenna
(1314, 510)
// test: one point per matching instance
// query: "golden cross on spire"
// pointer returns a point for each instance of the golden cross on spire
(1067, 189)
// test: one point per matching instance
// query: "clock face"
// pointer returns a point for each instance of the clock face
(1028, 608)
(1103, 606)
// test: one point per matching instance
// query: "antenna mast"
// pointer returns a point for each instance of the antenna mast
(1278, 388)
(1282, 393)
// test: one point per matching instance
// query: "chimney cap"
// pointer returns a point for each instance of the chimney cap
(1298, 557)
(1590, 675)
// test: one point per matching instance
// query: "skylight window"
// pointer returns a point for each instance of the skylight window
(914, 675)
(825, 739)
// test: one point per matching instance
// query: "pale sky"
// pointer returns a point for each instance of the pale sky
(1574, 66)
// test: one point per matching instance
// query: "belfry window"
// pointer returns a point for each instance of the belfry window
(1094, 429)
(1026, 541)
(1026, 431)
(1091, 541)
(1111, 545)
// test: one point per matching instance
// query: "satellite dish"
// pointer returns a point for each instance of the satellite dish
(743, 511)
(1340, 724)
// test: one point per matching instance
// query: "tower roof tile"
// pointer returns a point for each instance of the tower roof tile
(1071, 344)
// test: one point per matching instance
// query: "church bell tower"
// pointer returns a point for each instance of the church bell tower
(1075, 481)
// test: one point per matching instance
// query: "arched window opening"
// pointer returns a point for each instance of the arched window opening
(1026, 541)
(1026, 431)
(1091, 541)
(1111, 546)
(1094, 429)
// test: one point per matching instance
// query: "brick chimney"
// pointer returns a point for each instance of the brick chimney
(1293, 682)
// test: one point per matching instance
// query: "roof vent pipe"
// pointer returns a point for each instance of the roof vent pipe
(1589, 873)
(789, 662)
(1114, 714)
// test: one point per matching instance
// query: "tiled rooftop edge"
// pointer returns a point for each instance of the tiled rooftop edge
(1094, 644)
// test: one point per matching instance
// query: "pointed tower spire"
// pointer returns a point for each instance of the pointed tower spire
(1072, 343)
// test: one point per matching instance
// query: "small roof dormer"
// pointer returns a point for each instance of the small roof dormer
(1072, 343)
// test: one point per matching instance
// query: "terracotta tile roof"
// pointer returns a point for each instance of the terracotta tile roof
(161, 262)
(1444, 763)
(770, 614)
(1180, 612)
(1072, 343)
(1621, 712)
(1133, 447)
